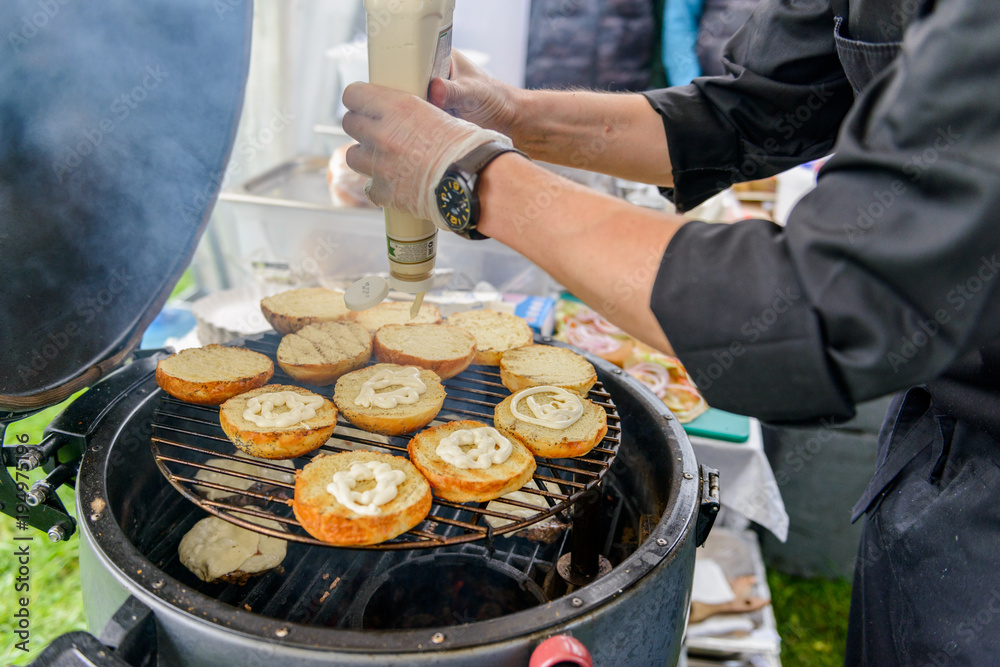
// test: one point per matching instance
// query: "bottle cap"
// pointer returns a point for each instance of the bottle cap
(412, 286)
(365, 293)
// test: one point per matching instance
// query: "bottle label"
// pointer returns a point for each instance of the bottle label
(442, 57)
(412, 252)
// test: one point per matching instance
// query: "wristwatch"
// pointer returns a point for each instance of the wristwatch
(456, 195)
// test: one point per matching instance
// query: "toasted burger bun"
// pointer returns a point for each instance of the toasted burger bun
(290, 311)
(553, 443)
(536, 365)
(388, 421)
(212, 374)
(468, 485)
(395, 312)
(320, 353)
(282, 442)
(495, 333)
(445, 350)
(323, 517)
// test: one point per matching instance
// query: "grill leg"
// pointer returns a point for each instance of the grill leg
(585, 563)
(585, 554)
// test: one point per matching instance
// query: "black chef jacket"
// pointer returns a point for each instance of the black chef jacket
(885, 277)
(887, 273)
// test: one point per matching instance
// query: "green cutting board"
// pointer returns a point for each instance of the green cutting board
(720, 425)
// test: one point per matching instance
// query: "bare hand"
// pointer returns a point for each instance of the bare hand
(475, 96)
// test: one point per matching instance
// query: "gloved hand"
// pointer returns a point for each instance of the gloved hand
(405, 145)
(475, 96)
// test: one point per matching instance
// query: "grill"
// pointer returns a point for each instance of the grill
(185, 436)
(622, 552)
(360, 588)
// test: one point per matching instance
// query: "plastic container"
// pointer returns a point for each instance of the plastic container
(280, 227)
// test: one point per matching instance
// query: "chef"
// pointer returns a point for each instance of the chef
(884, 280)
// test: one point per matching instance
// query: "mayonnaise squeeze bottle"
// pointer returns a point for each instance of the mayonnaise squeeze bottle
(409, 42)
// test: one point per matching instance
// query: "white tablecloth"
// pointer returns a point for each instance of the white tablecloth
(746, 481)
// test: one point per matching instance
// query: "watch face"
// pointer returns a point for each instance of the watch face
(454, 201)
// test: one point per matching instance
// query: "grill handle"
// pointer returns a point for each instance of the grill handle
(129, 640)
(61, 450)
(709, 507)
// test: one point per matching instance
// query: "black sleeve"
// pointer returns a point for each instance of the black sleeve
(887, 272)
(779, 104)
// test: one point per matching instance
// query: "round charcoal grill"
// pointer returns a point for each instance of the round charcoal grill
(185, 436)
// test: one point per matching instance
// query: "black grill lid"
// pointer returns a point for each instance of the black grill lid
(117, 119)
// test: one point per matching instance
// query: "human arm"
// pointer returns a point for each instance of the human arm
(613, 133)
(780, 104)
(885, 275)
(603, 249)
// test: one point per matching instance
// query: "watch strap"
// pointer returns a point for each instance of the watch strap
(479, 158)
(474, 162)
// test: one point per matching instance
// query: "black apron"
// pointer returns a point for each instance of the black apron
(927, 579)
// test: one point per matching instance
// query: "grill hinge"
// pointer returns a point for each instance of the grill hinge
(708, 509)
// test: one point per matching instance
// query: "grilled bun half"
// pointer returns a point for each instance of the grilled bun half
(495, 333)
(326, 519)
(277, 442)
(212, 374)
(395, 312)
(320, 353)
(576, 440)
(445, 350)
(289, 311)
(537, 365)
(403, 418)
(468, 484)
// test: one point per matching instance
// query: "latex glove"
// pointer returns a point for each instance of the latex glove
(405, 145)
(475, 96)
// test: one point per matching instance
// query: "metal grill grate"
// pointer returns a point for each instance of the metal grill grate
(186, 436)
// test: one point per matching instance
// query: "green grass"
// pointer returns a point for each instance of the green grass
(812, 619)
(55, 606)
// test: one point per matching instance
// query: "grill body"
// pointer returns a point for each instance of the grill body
(131, 520)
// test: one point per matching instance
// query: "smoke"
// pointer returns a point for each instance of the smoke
(114, 115)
